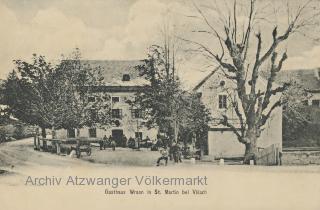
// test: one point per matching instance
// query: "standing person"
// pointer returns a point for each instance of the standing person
(174, 150)
(164, 155)
(131, 143)
(113, 145)
(137, 142)
(105, 141)
(148, 142)
(101, 144)
(124, 140)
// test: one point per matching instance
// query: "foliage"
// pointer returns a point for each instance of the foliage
(165, 103)
(55, 97)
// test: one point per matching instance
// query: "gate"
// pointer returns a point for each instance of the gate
(269, 156)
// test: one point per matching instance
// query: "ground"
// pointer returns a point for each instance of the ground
(229, 187)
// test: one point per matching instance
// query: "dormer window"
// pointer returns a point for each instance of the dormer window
(126, 77)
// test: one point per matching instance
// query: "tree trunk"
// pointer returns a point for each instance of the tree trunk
(53, 132)
(77, 132)
(251, 147)
(43, 133)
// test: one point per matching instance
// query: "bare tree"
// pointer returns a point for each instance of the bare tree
(242, 57)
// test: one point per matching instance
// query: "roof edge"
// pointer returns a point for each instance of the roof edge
(205, 79)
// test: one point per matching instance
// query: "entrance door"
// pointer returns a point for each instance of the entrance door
(117, 136)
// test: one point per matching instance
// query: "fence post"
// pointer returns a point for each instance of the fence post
(35, 142)
(58, 148)
(38, 145)
(45, 148)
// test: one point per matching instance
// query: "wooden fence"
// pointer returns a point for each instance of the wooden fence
(269, 156)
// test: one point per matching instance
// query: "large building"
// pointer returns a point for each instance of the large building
(217, 92)
(121, 82)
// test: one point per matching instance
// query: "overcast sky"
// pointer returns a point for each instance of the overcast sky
(104, 29)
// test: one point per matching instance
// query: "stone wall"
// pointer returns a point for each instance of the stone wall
(301, 158)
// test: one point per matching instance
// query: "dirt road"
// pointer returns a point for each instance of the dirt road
(229, 187)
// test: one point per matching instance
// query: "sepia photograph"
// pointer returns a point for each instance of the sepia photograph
(137, 104)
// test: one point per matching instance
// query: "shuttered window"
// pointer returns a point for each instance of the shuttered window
(117, 113)
(137, 113)
(222, 101)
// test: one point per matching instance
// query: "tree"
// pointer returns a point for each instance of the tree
(194, 120)
(56, 97)
(28, 94)
(78, 82)
(160, 99)
(242, 59)
(300, 120)
(164, 101)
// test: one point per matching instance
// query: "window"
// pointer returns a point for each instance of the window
(91, 99)
(117, 113)
(136, 113)
(115, 99)
(126, 77)
(222, 101)
(71, 133)
(92, 132)
(316, 103)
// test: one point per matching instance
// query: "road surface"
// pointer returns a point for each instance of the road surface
(229, 187)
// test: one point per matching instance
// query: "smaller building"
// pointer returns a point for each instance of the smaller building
(217, 93)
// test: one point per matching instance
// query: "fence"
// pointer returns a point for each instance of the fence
(269, 156)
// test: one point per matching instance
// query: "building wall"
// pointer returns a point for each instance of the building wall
(127, 123)
(223, 142)
(314, 97)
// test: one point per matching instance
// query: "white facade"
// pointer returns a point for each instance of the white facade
(217, 93)
(129, 124)
(121, 81)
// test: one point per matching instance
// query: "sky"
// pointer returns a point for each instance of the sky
(109, 29)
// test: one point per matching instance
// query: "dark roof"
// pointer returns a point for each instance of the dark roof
(113, 71)
(305, 77)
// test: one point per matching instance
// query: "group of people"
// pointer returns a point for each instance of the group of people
(173, 153)
(124, 142)
(107, 142)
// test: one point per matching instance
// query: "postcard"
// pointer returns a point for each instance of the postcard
(160, 104)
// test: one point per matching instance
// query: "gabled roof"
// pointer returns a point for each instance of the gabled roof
(205, 79)
(305, 77)
(262, 81)
(113, 71)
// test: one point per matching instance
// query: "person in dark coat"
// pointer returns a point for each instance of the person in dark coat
(124, 141)
(105, 141)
